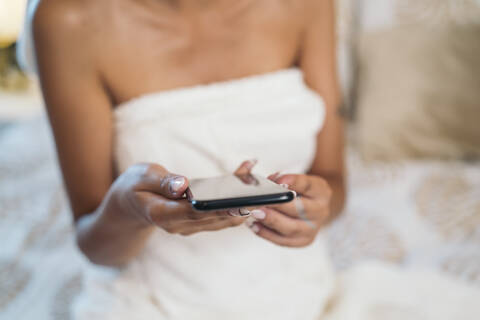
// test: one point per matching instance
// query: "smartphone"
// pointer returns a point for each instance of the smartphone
(235, 191)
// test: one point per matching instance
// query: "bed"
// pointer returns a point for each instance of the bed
(415, 215)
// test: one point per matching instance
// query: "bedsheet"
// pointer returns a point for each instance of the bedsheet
(414, 215)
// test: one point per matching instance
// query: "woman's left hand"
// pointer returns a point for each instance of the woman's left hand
(296, 223)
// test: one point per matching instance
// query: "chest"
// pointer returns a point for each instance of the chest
(149, 54)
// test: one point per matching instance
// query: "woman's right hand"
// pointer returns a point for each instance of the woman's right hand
(154, 196)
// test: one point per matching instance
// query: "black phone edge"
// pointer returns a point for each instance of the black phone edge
(252, 201)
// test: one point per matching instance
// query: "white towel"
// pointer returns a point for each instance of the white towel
(231, 274)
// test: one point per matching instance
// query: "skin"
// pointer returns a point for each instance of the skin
(93, 55)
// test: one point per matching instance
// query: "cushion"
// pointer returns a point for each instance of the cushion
(419, 91)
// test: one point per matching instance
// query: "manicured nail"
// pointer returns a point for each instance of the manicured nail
(255, 228)
(234, 212)
(285, 185)
(258, 214)
(244, 212)
(176, 184)
(251, 163)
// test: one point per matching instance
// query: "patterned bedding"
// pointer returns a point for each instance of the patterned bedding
(421, 215)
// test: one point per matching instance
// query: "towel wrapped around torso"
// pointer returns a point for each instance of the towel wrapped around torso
(231, 274)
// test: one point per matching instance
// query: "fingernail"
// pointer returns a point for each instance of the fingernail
(251, 163)
(234, 212)
(285, 185)
(244, 212)
(255, 228)
(250, 221)
(258, 214)
(176, 184)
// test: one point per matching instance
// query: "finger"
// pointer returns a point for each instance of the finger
(185, 223)
(160, 209)
(306, 185)
(248, 179)
(313, 208)
(196, 215)
(238, 212)
(246, 167)
(193, 227)
(281, 223)
(174, 224)
(274, 176)
(272, 236)
(155, 178)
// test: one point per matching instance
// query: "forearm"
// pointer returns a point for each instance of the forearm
(337, 203)
(110, 235)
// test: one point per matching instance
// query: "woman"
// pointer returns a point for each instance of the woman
(143, 95)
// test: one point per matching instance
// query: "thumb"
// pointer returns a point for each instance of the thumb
(156, 179)
(246, 167)
(173, 186)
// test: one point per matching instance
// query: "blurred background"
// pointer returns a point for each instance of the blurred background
(410, 73)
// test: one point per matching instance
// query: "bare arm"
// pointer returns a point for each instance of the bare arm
(79, 110)
(318, 63)
(322, 189)
(113, 219)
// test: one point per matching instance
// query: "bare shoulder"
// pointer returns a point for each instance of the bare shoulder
(68, 21)
(315, 9)
(307, 11)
